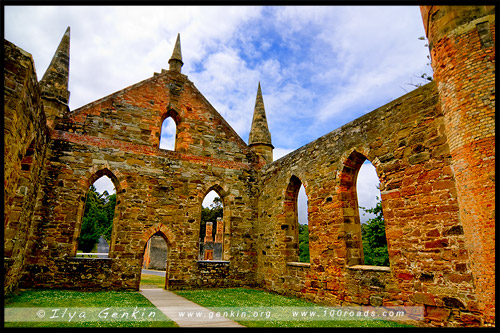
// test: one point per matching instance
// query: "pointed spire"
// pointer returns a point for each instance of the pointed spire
(54, 83)
(260, 137)
(175, 61)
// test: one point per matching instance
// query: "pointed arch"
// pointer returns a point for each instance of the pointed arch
(291, 222)
(350, 209)
(348, 197)
(217, 188)
(169, 125)
(158, 229)
(214, 236)
(94, 174)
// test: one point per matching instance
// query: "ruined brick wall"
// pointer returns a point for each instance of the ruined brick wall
(433, 150)
(25, 145)
(118, 136)
(429, 264)
(462, 45)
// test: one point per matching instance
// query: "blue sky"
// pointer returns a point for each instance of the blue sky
(319, 67)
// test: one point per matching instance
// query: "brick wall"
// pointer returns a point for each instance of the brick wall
(429, 264)
(433, 150)
(462, 45)
(25, 146)
(118, 136)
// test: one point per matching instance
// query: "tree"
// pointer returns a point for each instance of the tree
(89, 235)
(97, 219)
(373, 237)
(304, 243)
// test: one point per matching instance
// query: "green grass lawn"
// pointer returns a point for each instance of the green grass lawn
(98, 308)
(242, 298)
(131, 309)
(152, 281)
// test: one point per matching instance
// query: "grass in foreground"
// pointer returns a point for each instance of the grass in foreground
(247, 298)
(131, 307)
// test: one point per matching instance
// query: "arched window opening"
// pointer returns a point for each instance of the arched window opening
(303, 225)
(97, 221)
(295, 226)
(168, 134)
(155, 264)
(211, 227)
(371, 216)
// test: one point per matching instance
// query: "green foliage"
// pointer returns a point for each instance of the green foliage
(303, 243)
(210, 214)
(374, 239)
(97, 219)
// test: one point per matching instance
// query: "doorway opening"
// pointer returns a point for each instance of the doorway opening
(155, 263)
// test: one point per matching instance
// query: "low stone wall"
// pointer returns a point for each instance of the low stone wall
(79, 273)
(213, 274)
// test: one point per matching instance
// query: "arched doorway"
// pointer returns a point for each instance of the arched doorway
(158, 243)
(155, 262)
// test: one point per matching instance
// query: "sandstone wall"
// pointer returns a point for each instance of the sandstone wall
(462, 46)
(25, 146)
(429, 264)
(433, 150)
(118, 136)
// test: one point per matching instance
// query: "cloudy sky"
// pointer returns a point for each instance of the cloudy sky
(319, 67)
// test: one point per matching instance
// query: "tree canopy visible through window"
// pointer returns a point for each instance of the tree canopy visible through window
(373, 237)
(97, 219)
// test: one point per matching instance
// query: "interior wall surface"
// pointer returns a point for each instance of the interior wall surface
(429, 264)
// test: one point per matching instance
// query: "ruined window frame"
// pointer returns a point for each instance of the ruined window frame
(350, 212)
(226, 238)
(291, 223)
(174, 115)
(81, 212)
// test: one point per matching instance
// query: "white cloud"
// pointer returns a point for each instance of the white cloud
(366, 188)
(209, 199)
(104, 184)
(280, 152)
(320, 67)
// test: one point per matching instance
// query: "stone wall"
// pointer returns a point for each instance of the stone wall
(118, 136)
(80, 273)
(406, 142)
(433, 150)
(462, 46)
(25, 148)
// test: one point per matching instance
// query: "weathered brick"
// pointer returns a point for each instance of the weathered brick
(437, 313)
